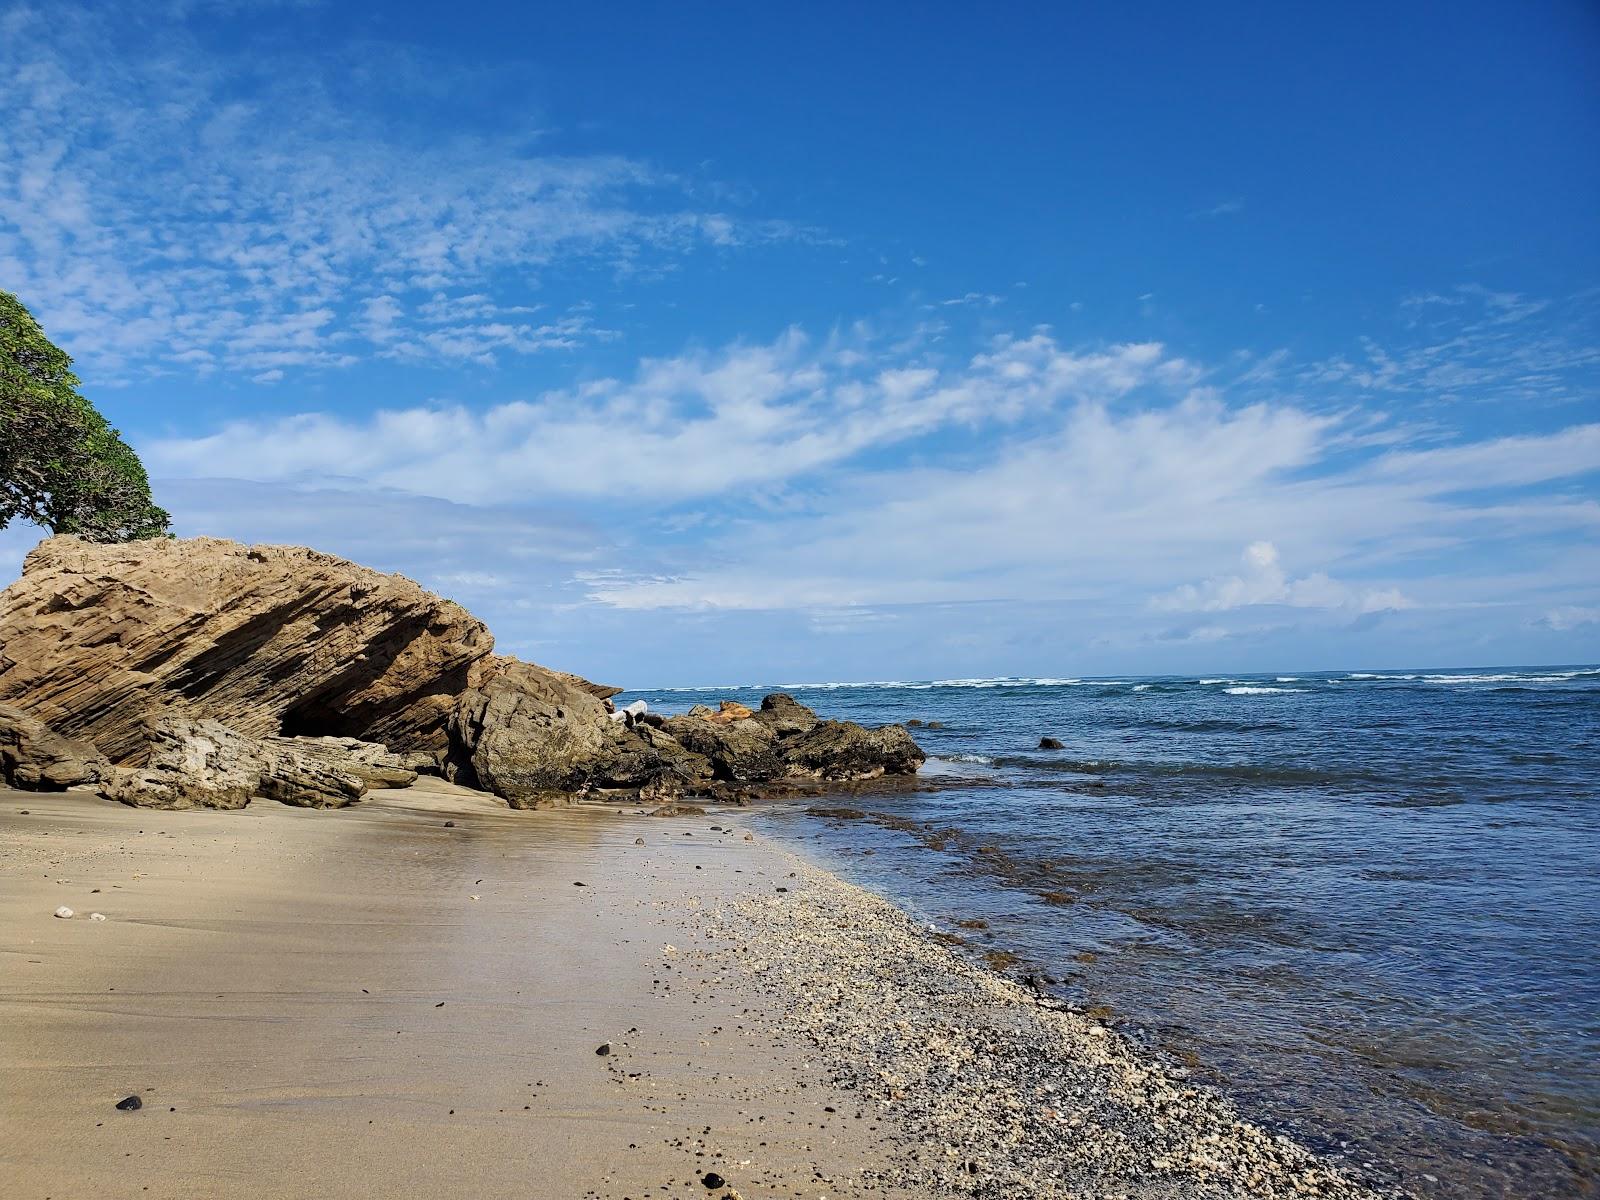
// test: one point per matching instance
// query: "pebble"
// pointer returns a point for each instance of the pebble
(603, 1049)
(64, 913)
(97, 916)
(712, 1180)
(130, 1104)
(638, 841)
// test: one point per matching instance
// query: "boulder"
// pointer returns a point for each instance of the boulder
(97, 640)
(197, 762)
(291, 775)
(783, 714)
(36, 758)
(741, 751)
(373, 764)
(843, 750)
(529, 735)
(190, 762)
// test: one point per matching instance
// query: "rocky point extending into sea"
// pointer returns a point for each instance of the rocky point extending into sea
(201, 673)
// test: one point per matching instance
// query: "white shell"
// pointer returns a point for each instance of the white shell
(97, 916)
(64, 912)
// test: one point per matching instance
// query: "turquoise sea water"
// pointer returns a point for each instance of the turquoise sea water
(1367, 904)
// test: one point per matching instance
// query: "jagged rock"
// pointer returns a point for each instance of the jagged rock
(36, 758)
(290, 775)
(742, 751)
(529, 735)
(190, 763)
(267, 639)
(783, 714)
(301, 653)
(201, 763)
(373, 764)
(841, 750)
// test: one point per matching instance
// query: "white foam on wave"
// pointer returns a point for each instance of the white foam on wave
(965, 758)
(1261, 691)
(1213, 681)
(1488, 677)
(1288, 679)
(1141, 687)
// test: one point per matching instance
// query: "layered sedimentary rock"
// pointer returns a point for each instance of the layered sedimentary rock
(37, 758)
(197, 762)
(299, 654)
(96, 640)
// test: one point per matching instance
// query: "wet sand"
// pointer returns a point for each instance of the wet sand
(373, 1003)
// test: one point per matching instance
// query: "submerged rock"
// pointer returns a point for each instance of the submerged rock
(36, 758)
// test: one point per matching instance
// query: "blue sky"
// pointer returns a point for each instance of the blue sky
(731, 343)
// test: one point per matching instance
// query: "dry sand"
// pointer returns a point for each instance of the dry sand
(371, 1003)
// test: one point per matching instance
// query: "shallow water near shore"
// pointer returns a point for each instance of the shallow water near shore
(1363, 903)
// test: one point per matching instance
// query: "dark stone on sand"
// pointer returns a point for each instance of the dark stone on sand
(449, 824)
(783, 889)
(603, 1049)
(712, 1180)
(579, 883)
(130, 1104)
(1050, 743)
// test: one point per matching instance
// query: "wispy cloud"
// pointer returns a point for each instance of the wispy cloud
(699, 424)
(169, 210)
(1263, 581)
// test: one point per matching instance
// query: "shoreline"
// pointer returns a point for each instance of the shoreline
(374, 1002)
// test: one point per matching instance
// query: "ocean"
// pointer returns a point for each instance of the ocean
(1365, 904)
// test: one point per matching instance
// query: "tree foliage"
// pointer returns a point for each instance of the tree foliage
(61, 465)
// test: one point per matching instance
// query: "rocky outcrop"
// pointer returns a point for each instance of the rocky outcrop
(786, 741)
(189, 661)
(201, 763)
(376, 766)
(36, 758)
(96, 640)
(529, 735)
(190, 763)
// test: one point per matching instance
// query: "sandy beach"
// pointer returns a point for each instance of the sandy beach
(407, 999)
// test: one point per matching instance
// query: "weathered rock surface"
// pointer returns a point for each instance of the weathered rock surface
(192, 762)
(297, 654)
(96, 640)
(375, 765)
(36, 758)
(197, 762)
(529, 735)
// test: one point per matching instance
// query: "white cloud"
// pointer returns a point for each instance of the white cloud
(698, 424)
(1264, 581)
(1567, 617)
(169, 209)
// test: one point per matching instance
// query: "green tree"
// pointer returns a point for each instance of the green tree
(61, 465)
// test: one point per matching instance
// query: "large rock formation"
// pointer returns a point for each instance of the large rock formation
(38, 759)
(96, 640)
(297, 653)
